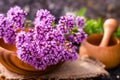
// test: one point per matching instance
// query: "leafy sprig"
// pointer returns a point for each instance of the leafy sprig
(94, 26)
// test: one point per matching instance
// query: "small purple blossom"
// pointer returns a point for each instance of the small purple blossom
(43, 23)
(72, 27)
(67, 21)
(20, 39)
(62, 28)
(6, 30)
(17, 16)
(80, 22)
(2, 24)
(44, 17)
(40, 31)
(80, 36)
(9, 34)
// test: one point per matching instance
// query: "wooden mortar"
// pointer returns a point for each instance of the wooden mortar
(104, 48)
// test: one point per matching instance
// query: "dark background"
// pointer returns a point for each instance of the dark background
(95, 8)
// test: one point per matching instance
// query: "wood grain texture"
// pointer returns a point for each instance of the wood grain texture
(108, 55)
(81, 68)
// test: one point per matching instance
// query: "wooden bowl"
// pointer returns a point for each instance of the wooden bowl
(109, 55)
(9, 59)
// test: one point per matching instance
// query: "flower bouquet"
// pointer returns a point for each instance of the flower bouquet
(42, 47)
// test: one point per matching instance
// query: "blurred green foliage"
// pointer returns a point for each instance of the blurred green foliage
(81, 12)
(93, 26)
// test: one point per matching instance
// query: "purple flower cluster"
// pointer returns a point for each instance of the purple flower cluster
(8, 25)
(17, 17)
(2, 24)
(77, 37)
(72, 28)
(67, 22)
(44, 17)
(80, 22)
(44, 45)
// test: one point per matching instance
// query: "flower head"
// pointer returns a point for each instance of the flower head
(6, 30)
(2, 24)
(9, 33)
(44, 17)
(67, 21)
(46, 45)
(80, 22)
(79, 36)
(72, 28)
(43, 53)
(8, 25)
(17, 16)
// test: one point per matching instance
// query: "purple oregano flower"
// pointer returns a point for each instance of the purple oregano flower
(44, 45)
(72, 28)
(6, 31)
(80, 22)
(44, 17)
(17, 16)
(2, 24)
(8, 25)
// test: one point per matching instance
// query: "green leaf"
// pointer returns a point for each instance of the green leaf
(75, 29)
(53, 24)
(117, 34)
(118, 30)
(100, 22)
(28, 23)
(93, 26)
(81, 12)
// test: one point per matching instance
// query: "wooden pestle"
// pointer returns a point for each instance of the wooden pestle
(109, 26)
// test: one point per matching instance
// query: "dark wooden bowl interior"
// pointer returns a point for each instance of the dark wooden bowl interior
(7, 46)
(96, 40)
